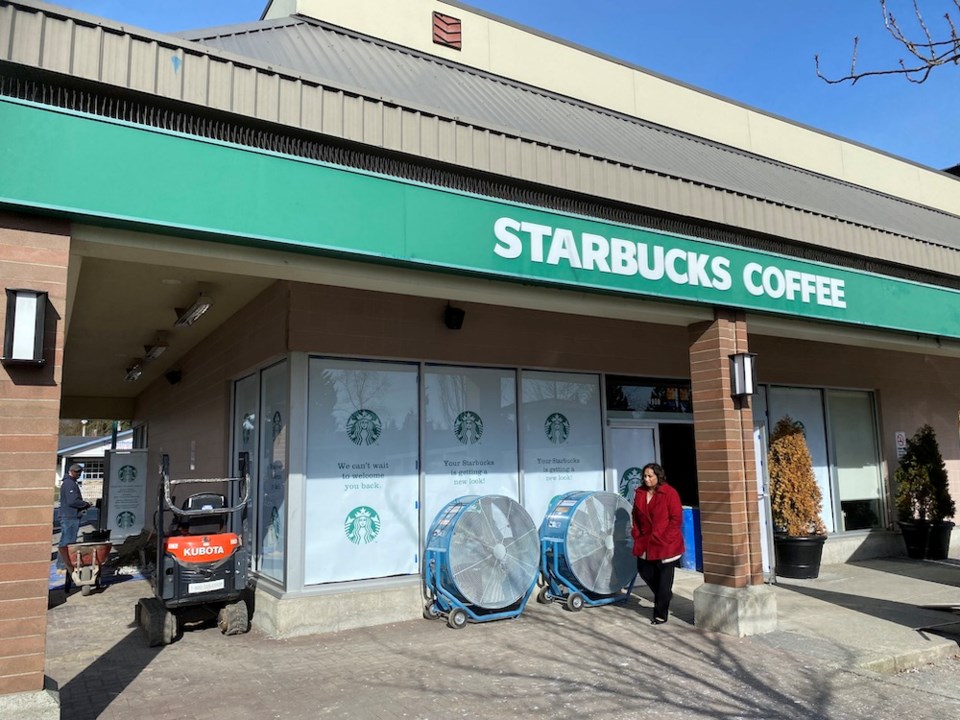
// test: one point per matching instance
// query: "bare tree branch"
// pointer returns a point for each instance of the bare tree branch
(927, 53)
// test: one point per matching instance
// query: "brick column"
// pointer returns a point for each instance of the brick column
(733, 598)
(34, 254)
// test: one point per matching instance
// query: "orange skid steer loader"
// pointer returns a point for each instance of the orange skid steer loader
(202, 561)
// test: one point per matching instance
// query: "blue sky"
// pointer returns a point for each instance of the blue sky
(757, 52)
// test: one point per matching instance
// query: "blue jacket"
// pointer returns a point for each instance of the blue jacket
(72, 503)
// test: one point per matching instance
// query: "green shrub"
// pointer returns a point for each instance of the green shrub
(795, 498)
(923, 489)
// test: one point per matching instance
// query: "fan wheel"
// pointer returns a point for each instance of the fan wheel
(544, 596)
(430, 611)
(575, 602)
(457, 619)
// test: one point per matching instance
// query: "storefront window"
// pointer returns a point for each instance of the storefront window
(361, 514)
(648, 398)
(856, 458)
(272, 475)
(840, 427)
(561, 442)
(470, 440)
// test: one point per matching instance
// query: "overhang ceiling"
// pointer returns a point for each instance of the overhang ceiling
(119, 307)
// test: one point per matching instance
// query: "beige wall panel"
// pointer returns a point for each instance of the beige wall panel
(498, 153)
(447, 141)
(392, 127)
(544, 164)
(311, 114)
(196, 78)
(514, 158)
(194, 415)
(7, 13)
(27, 37)
(57, 46)
(170, 72)
(373, 123)
(481, 150)
(527, 158)
(86, 52)
(220, 92)
(268, 97)
(794, 145)
(289, 100)
(869, 168)
(143, 66)
(244, 90)
(116, 59)
(352, 117)
(429, 136)
(410, 132)
(333, 113)
(464, 140)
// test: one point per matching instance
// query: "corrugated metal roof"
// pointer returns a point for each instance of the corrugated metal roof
(408, 78)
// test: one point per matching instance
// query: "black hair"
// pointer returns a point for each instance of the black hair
(658, 471)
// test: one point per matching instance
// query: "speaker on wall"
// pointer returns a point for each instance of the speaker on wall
(453, 317)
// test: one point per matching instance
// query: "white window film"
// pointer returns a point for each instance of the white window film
(856, 458)
(362, 488)
(470, 441)
(561, 441)
(272, 472)
(246, 401)
(805, 405)
(631, 447)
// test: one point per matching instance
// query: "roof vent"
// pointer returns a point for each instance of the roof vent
(447, 31)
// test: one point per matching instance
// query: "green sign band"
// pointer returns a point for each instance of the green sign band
(98, 169)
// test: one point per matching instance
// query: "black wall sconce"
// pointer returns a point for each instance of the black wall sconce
(743, 374)
(453, 317)
(23, 334)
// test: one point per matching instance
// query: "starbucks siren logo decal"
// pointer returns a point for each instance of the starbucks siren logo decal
(125, 519)
(127, 474)
(364, 427)
(631, 480)
(468, 427)
(557, 428)
(362, 525)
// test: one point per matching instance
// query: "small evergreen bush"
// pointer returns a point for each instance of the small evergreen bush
(923, 489)
(794, 495)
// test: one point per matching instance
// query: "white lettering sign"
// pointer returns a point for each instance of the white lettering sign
(588, 251)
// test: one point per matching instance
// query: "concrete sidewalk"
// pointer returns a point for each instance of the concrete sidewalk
(834, 634)
(868, 615)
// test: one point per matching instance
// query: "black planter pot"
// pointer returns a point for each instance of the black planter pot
(798, 557)
(926, 540)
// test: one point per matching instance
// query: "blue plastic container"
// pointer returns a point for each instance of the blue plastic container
(693, 551)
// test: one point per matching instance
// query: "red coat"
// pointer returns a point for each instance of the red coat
(657, 524)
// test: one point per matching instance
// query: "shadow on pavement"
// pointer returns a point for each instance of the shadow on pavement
(91, 691)
(944, 572)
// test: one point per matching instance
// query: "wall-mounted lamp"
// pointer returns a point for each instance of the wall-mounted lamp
(743, 374)
(188, 316)
(23, 334)
(453, 317)
(135, 371)
(152, 352)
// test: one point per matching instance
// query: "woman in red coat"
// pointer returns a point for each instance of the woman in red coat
(657, 537)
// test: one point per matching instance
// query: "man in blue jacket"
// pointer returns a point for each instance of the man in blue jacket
(72, 506)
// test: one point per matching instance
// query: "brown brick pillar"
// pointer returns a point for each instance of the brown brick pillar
(726, 472)
(34, 254)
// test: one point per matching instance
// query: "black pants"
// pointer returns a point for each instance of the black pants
(658, 576)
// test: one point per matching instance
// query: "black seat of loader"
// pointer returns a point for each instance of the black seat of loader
(203, 524)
